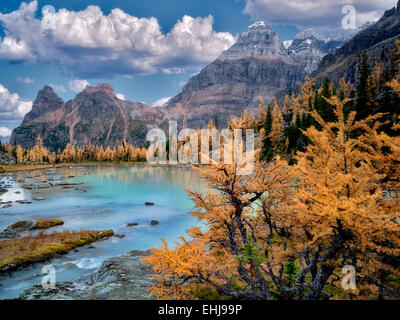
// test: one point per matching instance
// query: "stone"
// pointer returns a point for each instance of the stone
(132, 224)
(6, 158)
(18, 227)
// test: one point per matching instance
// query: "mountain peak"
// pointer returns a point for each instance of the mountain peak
(47, 101)
(47, 93)
(101, 87)
(47, 89)
(308, 34)
(259, 25)
(258, 40)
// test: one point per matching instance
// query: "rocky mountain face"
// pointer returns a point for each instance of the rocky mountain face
(376, 41)
(308, 48)
(95, 115)
(256, 66)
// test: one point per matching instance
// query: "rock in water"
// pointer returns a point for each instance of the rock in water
(132, 224)
(21, 226)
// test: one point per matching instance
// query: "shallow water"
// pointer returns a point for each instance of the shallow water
(109, 198)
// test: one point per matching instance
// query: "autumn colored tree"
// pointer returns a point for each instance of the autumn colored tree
(329, 210)
(246, 121)
(262, 113)
(38, 153)
(224, 257)
(19, 154)
(277, 127)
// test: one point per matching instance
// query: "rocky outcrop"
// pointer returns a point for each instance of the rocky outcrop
(95, 116)
(376, 41)
(6, 158)
(121, 278)
(13, 230)
(309, 47)
(46, 113)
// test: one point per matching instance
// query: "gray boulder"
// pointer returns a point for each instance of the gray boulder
(6, 158)
(20, 226)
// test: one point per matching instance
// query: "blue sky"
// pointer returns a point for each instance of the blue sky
(147, 49)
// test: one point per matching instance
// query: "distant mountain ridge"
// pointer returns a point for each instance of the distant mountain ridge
(95, 116)
(258, 65)
(377, 41)
(309, 47)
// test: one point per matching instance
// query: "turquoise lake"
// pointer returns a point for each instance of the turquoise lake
(102, 197)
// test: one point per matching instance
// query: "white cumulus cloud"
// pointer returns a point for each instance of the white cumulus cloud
(5, 132)
(323, 14)
(12, 106)
(90, 44)
(77, 85)
(59, 88)
(26, 80)
(161, 102)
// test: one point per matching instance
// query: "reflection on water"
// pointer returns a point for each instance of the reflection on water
(100, 197)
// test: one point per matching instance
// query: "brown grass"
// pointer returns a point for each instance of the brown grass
(28, 167)
(19, 224)
(48, 223)
(32, 167)
(30, 249)
(41, 223)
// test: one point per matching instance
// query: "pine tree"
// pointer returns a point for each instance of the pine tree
(266, 151)
(321, 104)
(364, 98)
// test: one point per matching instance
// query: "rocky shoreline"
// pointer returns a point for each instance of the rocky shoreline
(121, 278)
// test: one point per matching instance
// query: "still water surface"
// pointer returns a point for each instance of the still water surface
(108, 198)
